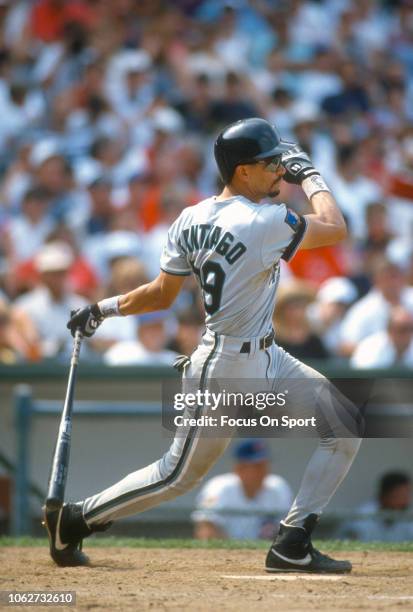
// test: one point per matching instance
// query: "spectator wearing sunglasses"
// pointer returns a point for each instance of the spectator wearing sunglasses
(391, 347)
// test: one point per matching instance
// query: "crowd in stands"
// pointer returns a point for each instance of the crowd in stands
(108, 114)
(249, 502)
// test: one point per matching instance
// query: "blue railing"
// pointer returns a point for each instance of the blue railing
(26, 408)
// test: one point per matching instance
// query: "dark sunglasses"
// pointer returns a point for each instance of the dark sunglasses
(272, 164)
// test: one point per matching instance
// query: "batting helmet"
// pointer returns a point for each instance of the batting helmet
(246, 141)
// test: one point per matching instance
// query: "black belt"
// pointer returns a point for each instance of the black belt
(265, 342)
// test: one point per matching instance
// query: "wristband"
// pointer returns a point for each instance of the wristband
(110, 307)
(313, 184)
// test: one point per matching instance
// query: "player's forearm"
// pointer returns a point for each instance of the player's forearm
(146, 298)
(157, 295)
(326, 225)
(326, 211)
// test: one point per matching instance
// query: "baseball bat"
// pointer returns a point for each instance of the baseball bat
(60, 463)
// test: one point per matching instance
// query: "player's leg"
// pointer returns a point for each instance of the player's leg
(329, 464)
(338, 427)
(189, 458)
(181, 468)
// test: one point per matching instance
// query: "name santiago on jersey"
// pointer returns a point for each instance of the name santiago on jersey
(212, 238)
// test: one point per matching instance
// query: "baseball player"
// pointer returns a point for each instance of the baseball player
(233, 243)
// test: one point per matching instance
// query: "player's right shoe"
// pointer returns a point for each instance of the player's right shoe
(292, 551)
(66, 529)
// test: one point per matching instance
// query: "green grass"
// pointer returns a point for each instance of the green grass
(325, 545)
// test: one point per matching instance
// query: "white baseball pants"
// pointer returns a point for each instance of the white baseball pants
(192, 454)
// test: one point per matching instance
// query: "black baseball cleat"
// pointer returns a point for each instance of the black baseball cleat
(292, 551)
(66, 529)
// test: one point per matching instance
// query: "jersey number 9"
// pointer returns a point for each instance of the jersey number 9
(211, 278)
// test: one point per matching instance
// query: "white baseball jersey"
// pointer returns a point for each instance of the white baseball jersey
(223, 496)
(234, 247)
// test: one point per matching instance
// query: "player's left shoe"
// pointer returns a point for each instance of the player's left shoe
(66, 529)
(292, 551)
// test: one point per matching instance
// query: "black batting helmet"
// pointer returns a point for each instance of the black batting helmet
(244, 142)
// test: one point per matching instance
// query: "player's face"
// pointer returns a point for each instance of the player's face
(264, 177)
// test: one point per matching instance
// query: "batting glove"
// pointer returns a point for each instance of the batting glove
(298, 165)
(87, 320)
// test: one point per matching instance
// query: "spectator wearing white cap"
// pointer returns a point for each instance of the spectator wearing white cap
(390, 347)
(332, 301)
(50, 303)
(149, 346)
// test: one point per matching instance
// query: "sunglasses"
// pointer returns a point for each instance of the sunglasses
(272, 164)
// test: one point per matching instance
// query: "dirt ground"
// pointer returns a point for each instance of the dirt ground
(173, 579)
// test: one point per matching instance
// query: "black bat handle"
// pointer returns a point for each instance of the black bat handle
(60, 463)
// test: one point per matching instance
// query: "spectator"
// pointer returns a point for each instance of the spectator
(14, 345)
(235, 104)
(102, 209)
(378, 234)
(353, 191)
(102, 250)
(126, 274)
(188, 333)
(50, 303)
(129, 84)
(82, 278)
(393, 496)
(149, 346)
(28, 231)
(352, 98)
(195, 107)
(21, 111)
(292, 325)
(53, 173)
(326, 313)
(171, 205)
(250, 490)
(98, 90)
(370, 314)
(390, 347)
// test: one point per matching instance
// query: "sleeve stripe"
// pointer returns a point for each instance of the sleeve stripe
(295, 243)
(175, 272)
